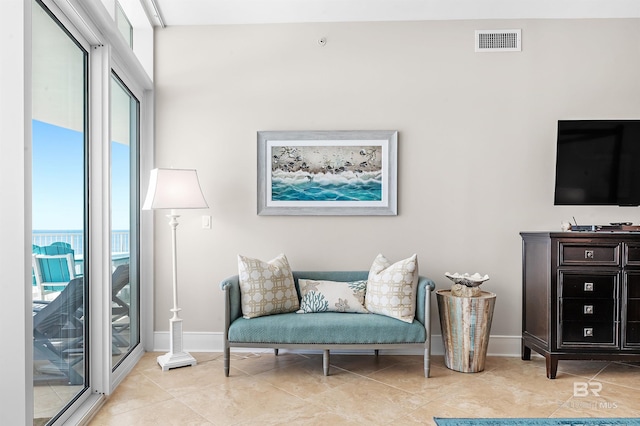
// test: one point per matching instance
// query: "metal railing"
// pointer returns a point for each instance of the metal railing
(119, 240)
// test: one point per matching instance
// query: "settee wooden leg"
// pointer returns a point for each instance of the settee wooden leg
(427, 363)
(227, 360)
(376, 352)
(325, 362)
(275, 351)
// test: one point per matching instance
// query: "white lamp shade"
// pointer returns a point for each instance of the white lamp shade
(174, 189)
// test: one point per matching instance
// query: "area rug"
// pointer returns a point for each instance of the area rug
(538, 422)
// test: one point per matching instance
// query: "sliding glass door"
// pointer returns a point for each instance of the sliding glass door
(89, 99)
(59, 221)
(125, 308)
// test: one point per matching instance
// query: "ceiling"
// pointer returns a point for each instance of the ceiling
(223, 12)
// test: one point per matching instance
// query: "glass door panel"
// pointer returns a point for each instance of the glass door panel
(124, 220)
(59, 288)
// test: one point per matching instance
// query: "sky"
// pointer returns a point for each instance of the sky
(58, 179)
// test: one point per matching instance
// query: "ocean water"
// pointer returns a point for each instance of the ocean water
(346, 186)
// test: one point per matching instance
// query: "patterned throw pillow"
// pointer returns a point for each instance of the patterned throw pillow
(391, 288)
(266, 287)
(332, 296)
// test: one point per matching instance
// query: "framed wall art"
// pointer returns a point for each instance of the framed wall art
(327, 172)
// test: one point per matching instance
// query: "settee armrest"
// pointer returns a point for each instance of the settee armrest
(423, 300)
(233, 306)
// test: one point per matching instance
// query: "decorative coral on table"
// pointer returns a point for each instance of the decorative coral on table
(466, 285)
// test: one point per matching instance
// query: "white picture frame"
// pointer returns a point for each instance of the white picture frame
(327, 172)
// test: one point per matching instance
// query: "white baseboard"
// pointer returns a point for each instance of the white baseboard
(192, 341)
(213, 342)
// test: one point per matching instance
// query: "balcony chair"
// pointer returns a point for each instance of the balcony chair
(58, 335)
(119, 309)
(57, 247)
(52, 273)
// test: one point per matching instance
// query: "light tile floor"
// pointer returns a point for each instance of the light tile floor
(290, 389)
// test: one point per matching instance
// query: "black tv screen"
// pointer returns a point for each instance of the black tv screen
(598, 163)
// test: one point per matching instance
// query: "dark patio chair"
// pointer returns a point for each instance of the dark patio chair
(119, 309)
(58, 333)
(119, 280)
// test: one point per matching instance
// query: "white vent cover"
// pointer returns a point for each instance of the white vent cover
(498, 40)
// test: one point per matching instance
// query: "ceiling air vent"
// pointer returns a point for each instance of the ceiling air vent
(498, 40)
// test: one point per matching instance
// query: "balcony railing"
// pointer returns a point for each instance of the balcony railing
(119, 240)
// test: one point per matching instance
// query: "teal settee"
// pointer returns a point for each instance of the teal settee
(327, 330)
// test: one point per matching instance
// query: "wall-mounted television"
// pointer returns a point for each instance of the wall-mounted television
(598, 163)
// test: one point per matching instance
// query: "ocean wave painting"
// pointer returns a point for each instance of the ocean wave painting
(336, 173)
(342, 186)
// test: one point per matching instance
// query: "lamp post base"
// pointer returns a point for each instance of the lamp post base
(175, 360)
(176, 357)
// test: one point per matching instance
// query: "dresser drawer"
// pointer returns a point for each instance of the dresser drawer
(632, 338)
(588, 285)
(589, 254)
(632, 254)
(633, 310)
(586, 333)
(597, 310)
(633, 284)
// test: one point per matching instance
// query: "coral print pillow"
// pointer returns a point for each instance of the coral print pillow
(391, 288)
(266, 287)
(332, 296)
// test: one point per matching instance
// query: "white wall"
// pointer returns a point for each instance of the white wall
(476, 143)
(16, 404)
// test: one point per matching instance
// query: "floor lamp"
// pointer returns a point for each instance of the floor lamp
(174, 189)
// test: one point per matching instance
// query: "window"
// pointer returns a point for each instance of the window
(124, 26)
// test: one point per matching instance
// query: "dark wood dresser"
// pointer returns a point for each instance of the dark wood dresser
(581, 296)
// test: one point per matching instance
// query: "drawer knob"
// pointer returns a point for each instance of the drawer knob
(588, 332)
(588, 309)
(588, 254)
(588, 286)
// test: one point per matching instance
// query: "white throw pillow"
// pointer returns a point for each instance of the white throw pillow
(332, 296)
(266, 287)
(391, 288)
